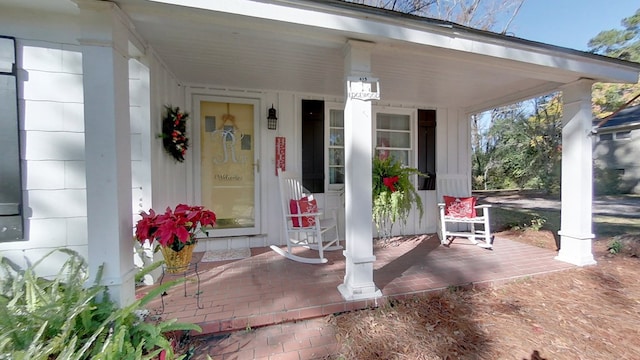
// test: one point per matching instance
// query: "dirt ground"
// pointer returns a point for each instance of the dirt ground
(591, 312)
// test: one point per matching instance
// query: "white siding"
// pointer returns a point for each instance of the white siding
(52, 134)
(52, 153)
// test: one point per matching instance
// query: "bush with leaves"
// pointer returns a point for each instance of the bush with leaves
(606, 181)
(61, 318)
(394, 195)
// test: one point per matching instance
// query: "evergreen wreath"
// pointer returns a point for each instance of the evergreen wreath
(174, 127)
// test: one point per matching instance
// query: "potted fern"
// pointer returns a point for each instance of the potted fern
(394, 195)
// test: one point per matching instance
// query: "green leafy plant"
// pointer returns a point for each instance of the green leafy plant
(394, 195)
(615, 246)
(537, 223)
(62, 318)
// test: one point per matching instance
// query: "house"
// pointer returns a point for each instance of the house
(616, 145)
(91, 80)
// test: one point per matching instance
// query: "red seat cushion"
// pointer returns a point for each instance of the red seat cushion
(460, 206)
(303, 206)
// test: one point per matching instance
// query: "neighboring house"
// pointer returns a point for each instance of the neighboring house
(81, 155)
(617, 145)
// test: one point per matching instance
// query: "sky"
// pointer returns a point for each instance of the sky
(570, 23)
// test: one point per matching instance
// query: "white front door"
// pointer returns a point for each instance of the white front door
(227, 175)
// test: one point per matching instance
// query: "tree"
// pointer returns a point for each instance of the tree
(479, 14)
(522, 147)
(623, 44)
(487, 166)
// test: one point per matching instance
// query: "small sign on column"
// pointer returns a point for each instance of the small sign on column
(363, 88)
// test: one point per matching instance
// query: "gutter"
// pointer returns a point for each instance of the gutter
(385, 15)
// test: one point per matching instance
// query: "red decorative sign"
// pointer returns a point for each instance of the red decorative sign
(281, 151)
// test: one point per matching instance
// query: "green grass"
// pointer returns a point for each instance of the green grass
(508, 218)
(610, 226)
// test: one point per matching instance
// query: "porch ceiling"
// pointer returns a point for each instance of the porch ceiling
(235, 51)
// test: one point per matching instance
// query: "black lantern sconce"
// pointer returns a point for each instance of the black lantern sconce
(272, 119)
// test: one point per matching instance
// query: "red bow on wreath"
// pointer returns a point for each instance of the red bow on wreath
(389, 182)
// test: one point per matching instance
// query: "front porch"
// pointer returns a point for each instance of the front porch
(267, 289)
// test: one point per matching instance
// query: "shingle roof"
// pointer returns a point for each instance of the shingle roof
(629, 117)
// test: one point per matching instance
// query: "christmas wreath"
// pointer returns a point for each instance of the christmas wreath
(174, 127)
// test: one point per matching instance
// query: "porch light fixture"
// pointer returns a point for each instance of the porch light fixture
(272, 119)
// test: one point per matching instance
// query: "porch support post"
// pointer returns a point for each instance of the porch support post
(577, 175)
(358, 280)
(108, 148)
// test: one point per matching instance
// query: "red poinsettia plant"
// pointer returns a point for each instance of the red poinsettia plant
(175, 228)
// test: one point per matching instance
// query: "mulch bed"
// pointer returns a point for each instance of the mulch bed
(591, 312)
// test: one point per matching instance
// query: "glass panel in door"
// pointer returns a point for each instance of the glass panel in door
(228, 179)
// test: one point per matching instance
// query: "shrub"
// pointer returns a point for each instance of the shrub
(61, 318)
(606, 181)
(626, 244)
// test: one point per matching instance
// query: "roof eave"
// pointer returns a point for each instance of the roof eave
(375, 24)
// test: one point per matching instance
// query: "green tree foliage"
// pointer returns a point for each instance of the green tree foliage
(622, 44)
(521, 150)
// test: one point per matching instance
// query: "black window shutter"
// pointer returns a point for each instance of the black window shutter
(313, 145)
(11, 222)
(427, 148)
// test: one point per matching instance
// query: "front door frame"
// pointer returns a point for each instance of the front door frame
(195, 100)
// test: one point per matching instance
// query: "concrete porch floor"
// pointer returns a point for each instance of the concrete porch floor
(267, 289)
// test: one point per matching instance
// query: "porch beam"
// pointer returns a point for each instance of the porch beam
(358, 280)
(108, 148)
(576, 232)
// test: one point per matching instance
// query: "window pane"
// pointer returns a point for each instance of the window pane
(336, 175)
(337, 118)
(336, 156)
(401, 156)
(393, 122)
(623, 135)
(336, 137)
(604, 137)
(336, 147)
(394, 139)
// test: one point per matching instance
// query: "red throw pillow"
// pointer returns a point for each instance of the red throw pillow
(460, 207)
(303, 206)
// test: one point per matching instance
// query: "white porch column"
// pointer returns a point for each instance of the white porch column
(576, 232)
(108, 148)
(358, 280)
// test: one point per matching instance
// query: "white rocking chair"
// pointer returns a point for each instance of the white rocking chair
(302, 222)
(460, 214)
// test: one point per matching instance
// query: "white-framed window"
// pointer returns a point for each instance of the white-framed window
(393, 135)
(336, 155)
(605, 137)
(623, 135)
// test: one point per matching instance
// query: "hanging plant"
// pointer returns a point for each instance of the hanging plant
(174, 136)
(393, 194)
